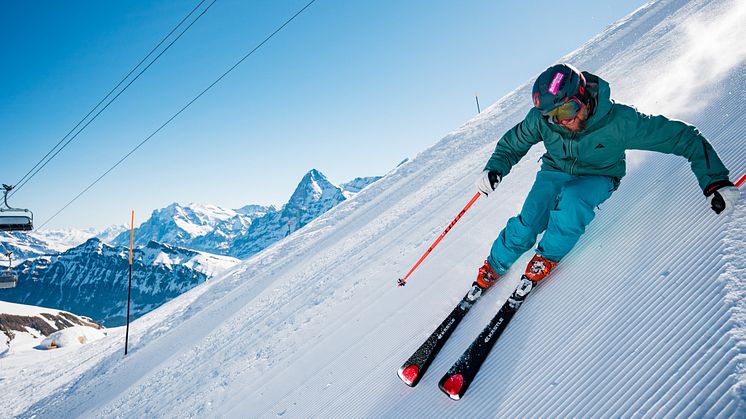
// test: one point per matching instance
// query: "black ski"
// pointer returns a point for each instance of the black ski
(413, 370)
(462, 373)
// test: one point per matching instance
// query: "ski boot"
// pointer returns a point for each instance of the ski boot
(486, 276)
(539, 268)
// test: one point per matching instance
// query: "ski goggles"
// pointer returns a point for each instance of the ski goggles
(566, 112)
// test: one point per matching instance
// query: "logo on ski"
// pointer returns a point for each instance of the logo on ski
(448, 326)
(492, 332)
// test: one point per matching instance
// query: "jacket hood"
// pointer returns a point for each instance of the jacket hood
(601, 93)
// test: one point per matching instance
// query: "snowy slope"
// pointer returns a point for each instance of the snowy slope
(644, 318)
(23, 329)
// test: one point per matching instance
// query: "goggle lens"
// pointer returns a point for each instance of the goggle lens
(566, 112)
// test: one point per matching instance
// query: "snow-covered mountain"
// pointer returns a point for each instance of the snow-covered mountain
(202, 227)
(23, 325)
(48, 242)
(248, 230)
(64, 239)
(314, 196)
(91, 279)
(24, 246)
(53, 260)
(108, 234)
(645, 318)
(358, 184)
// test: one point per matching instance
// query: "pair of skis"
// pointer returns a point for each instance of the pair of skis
(457, 380)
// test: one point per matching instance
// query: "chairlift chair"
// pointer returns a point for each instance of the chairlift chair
(14, 219)
(8, 278)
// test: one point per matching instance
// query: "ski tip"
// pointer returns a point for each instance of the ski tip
(409, 375)
(452, 386)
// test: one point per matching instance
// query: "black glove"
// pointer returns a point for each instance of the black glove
(722, 196)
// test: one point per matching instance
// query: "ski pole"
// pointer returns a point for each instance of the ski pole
(740, 181)
(403, 281)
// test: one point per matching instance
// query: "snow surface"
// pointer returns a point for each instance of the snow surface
(22, 350)
(645, 318)
(75, 336)
(26, 310)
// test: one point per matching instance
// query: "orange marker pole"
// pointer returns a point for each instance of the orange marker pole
(403, 281)
(129, 287)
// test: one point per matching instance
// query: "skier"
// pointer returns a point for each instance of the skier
(585, 134)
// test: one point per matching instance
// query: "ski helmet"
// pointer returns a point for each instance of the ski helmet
(557, 85)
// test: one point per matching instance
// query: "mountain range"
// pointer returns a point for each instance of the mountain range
(246, 231)
(177, 248)
(91, 279)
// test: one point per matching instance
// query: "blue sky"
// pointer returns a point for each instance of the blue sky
(350, 88)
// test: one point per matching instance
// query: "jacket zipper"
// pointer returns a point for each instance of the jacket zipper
(575, 160)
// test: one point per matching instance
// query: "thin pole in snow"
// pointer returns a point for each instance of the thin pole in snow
(476, 96)
(129, 287)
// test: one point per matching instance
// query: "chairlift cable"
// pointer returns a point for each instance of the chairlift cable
(181, 110)
(26, 177)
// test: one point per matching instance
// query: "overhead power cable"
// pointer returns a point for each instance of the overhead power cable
(168, 121)
(46, 159)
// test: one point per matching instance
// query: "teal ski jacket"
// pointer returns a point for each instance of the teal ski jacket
(599, 149)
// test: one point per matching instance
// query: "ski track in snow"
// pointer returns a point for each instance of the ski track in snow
(645, 318)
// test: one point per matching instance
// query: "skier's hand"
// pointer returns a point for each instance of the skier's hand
(487, 182)
(722, 196)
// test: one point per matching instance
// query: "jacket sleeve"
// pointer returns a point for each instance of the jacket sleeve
(514, 144)
(658, 133)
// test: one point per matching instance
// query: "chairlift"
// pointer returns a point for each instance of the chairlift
(8, 278)
(14, 219)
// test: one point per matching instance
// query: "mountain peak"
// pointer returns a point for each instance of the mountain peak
(315, 176)
(315, 173)
(314, 187)
(92, 243)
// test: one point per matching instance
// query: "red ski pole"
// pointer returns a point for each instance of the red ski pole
(403, 281)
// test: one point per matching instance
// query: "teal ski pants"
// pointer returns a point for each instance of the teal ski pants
(561, 206)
